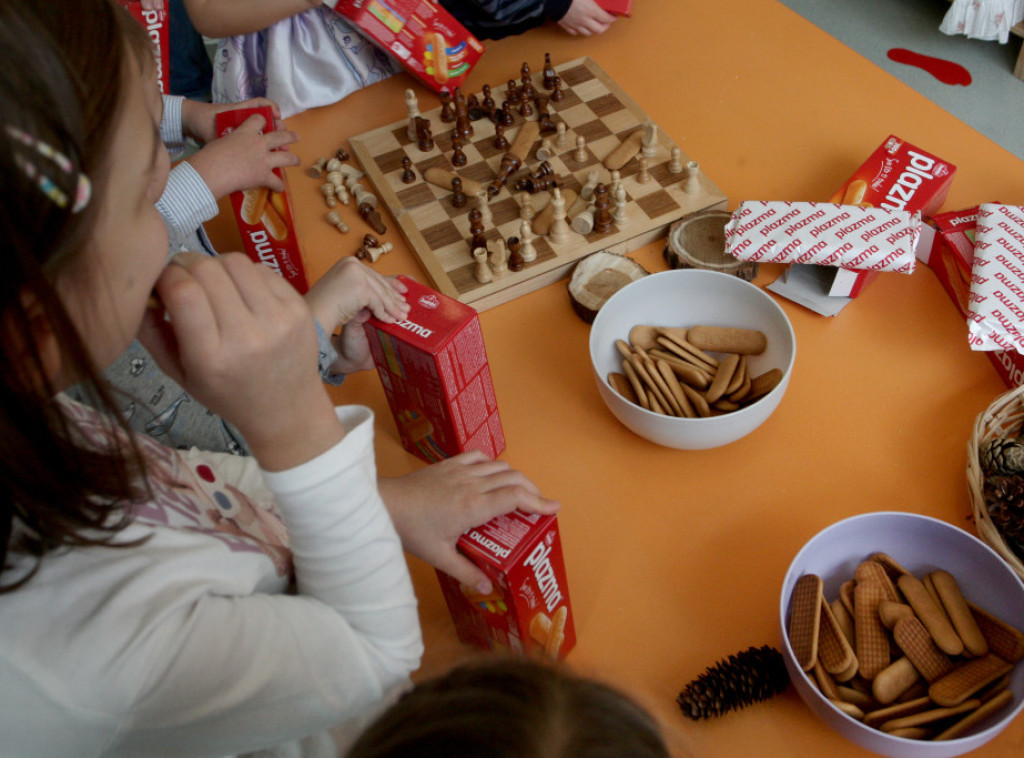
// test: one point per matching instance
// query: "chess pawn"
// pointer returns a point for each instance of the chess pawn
(512, 92)
(447, 113)
(616, 180)
(581, 149)
(526, 209)
(332, 164)
(583, 222)
(341, 154)
(458, 156)
(515, 257)
(558, 234)
(691, 184)
(424, 137)
(484, 208)
(556, 91)
(481, 271)
(487, 103)
(644, 174)
(619, 216)
(649, 141)
(675, 162)
(525, 109)
(408, 175)
(334, 219)
(500, 141)
(561, 139)
(505, 114)
(587, 191)
(330, 197)
(476, 230)
(372, 254)
(546, 151)
(527, 251)
(413, 109)
(317, 170)
(498, 259)
(459, 198)
(341, 192)
(524, 72)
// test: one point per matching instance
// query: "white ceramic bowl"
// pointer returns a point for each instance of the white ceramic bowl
(920, 544)
(691, 297)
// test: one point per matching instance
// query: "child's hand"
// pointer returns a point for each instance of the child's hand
(433, 506)
(241, 341)
(347, 296)
(245, 158)
(586, 17)
(199, 119)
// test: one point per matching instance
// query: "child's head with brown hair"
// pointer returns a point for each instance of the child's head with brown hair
(512, 708)
(81, 166)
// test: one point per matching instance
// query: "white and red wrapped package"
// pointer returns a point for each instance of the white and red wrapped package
(824, 234)
(995, 317)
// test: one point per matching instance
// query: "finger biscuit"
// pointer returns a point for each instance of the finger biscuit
(254, 202)
(620, 383)
(892, 568)
(931, 614)
(872, 571)
(890, 712)
(685, 372)
(540, 628)
(844, 619)
(636, 384)
(911, 732)
(762, 384)
(677, 391)
(929, 716)
(872, 639)
(895, 679)
(556, 637)
(643, 336)
(723, 339)
(723, 377)
(273, 222)
(1004, 640)
(959, 614)
(805, 619)
(739, 376)
(688, 347)
(862, 700)
(826, 683)
(855, 192)
(846, 594)
(967, 679)
(848, 708)
(976, 716)
(697, 400)
(834, 650)
(891, 612)
(917, 644)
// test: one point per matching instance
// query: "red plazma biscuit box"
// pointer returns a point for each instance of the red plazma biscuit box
(155, 23)
(528, 610)
(433, 366)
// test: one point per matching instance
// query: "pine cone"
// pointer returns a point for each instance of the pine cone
(749, 677)
(1002, 456)
(1004, 501)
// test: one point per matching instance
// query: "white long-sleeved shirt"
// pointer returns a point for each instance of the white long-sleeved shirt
(190, 644)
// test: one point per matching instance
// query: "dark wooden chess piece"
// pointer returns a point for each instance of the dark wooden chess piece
(549, 73)
(408, 175)
(547, 124)
(341, 154)
(602, 213)
(505, 114)
(474, 109)
(515, 257)
(458, 155)
(525, 109)
(512, 92)
(370, 215)
(459, 198)
(488, 100)
(476, 230)
(556, 91)
(424, 137)
(447, 113)
(500, 140)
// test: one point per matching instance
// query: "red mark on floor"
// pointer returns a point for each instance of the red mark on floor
(945, 71)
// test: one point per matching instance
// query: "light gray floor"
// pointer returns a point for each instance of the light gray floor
(993, 103)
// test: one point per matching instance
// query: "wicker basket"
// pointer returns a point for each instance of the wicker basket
(1003, 418)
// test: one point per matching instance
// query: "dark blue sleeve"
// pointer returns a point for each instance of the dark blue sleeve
(494, 19)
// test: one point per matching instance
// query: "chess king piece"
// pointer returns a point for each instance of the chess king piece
(481, 271)
(527, 251)
(691, 184)
(412, 108)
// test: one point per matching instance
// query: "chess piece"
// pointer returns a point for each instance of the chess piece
(341, 192)
(463, 123)
(559, 232)
(476, 230)
(583, 222)
(458, 155)
(602, 214)
(524, 72)
(587, 191)
(412, 107)
(500, 140)
(334, 219)
(515, 256)
(487, 103)
(498, 259)
(459, 198)
(505, 116)
(525, 109)
(691, 184)
(526, 209)
(547, 124)
(408, 175)
(484, 208)
(643, 175)
(363, 196)
(317, 168)
(616, 180)
(447, 113)
(619, 215)
(476, 112)
(527, 251)
(481, 271)
(373, 253)
(548, 74)
(341, 154)
(650, 140)
(424, 137)
(512, 92)
(527, 92)
(561, 139)
(546, 151)
(330, 197)
(370, 215)
(581, 149)
(333, 165)
(556, 91)
(675, 163)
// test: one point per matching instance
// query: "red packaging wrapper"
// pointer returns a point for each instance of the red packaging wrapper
(156, 25)
(952, 259)
(433, 366)
(825, 234)
(995, 314)
(528, 610)
(265, 217)
(423, 36)
(618, 7)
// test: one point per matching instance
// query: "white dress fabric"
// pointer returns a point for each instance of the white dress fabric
(311, 59)
(983, 19)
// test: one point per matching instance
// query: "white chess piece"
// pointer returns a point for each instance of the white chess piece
(560, 137)
(587, 191)
(481, 271)
(619, 216)
(581, 149)
(546, 151)
(486, 218)
(412, 107)
(616, 180)
(527, 251)
(558, 234)
(498, 258)
(583, 222)
(526, 209)
(691, 185)
(650, 140)
(675, 163)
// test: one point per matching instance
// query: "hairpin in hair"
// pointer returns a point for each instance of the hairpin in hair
(83, 189)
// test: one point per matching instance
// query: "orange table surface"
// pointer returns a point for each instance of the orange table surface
(675, 559)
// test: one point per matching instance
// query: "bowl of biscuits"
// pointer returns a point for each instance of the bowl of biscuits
(903, 634)
(692, 359)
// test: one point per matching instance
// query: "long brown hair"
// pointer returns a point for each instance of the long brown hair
(505, 707)
(62, 65)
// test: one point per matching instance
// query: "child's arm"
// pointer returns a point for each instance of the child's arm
(225, 18)
(586, 17)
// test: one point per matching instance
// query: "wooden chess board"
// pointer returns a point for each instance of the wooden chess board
(593, 106)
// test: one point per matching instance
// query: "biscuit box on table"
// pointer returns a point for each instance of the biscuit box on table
(952, 259)
(528, 610)
(423, 36)
(433, 366)
(265, 217)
